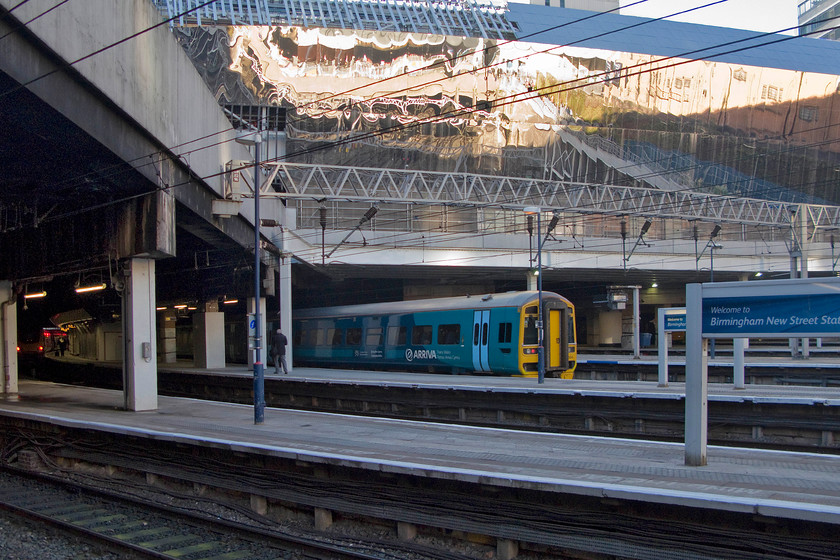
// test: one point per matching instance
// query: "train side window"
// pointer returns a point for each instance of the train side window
(421, 334)
(505, 330)
(396, 336)
(571, 328)
(484, 328)
(354, 336)
(476, 330)
(318, 337)
(374, 337)
(297, 337)
(334, 337)
(449, 334)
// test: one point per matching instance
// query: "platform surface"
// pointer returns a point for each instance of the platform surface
(792, 394)
(776, 484)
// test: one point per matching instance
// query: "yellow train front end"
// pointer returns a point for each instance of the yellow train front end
(559, 337)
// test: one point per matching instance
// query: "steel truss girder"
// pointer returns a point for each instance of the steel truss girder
(323, 182)
(467, 18)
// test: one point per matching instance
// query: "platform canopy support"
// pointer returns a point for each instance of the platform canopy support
(140, 354)
(8, 337)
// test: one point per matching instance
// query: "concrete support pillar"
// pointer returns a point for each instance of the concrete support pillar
(285, 293)
(506, 549)
(738, 370)
(609, 327)
(259, 504)
(139, 357)
(406, 531)
(323, 519)
(166, 336)
(250, 326)
(531, 279)
(8, 338)
(209, 339)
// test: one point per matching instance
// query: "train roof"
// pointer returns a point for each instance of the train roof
(487, 301)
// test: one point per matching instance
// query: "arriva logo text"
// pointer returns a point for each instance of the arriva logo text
(420, 354)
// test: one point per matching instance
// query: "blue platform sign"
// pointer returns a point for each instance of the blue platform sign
(674, 322)
(768, 316)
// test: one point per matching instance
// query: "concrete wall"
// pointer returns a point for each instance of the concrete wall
(148, 77)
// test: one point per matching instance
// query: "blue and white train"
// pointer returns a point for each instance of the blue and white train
(490, 334)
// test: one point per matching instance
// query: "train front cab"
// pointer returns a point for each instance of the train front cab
(559, 337)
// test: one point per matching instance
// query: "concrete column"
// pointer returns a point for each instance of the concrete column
(609, 323)
(166, 336)
(506, 549)
(249, 319)
(139, 357)
(8, 338)
(532, 281)
(285, 292)
(696, 379)
(209, 339)
(323, 519)
(738, 373)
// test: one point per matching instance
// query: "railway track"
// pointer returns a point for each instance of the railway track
(139, 529)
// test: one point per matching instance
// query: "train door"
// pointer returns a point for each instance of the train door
(556, 335)
(481, 335)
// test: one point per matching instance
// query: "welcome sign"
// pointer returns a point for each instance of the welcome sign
(772, 316)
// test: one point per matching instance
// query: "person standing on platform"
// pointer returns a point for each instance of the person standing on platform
(278, 350)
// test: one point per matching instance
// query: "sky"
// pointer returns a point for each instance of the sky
(756, 15)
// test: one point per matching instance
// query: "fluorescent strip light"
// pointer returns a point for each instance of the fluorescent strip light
(35, 295)
(229, 301)
(85, 289)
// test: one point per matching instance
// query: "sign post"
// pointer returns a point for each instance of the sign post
(669, 319)
(795, 308)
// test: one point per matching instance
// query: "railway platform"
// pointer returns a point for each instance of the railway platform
(745, 488)
(788, 417)
(771, 483)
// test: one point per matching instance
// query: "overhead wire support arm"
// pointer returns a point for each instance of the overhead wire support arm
(371, 212)
(551, 225)
(640, 240)
(711, 243)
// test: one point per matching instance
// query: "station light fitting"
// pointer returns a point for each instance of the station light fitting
(35, 295)
(181, 306)
(91, 288)
(654, 285)
(230, 301)
(759, 274)
(161, 308)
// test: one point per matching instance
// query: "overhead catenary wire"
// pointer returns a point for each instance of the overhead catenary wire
(550, 86)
